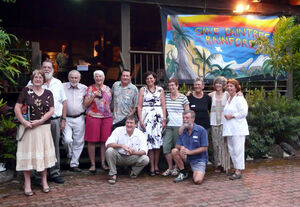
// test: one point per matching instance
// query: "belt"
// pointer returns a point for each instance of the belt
(53, 118)
(76, 116)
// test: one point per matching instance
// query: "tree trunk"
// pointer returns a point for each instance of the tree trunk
(184, 69)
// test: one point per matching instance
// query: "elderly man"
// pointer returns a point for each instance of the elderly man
(125, 98)
(74, 130)
(59, 116)
(191, 147)
(127, 146)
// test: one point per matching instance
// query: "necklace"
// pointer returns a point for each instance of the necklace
(151, 91)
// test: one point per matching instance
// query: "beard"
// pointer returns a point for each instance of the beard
(74, 84)
(49, 75)
(187, 125)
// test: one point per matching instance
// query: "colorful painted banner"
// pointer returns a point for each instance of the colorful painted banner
(214, 45)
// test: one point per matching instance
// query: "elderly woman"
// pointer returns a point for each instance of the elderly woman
(176, 103)
(200, 103)
(35, 149)
(235, 127)
(98, 118)
(219, 99)
(152, 118)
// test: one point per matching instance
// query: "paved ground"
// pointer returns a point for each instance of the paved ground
(264, 183)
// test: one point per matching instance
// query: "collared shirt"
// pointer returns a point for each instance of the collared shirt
(137, 140)
(124, 100)
(59, 96)
(198, 138)
(75, 96)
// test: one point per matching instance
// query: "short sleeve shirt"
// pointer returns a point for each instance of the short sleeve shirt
(137, 140)
(124, 100)
(175, 109)
(38, 105)
(100, 107)
(197, 139)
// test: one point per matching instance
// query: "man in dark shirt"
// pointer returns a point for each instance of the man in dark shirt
(191, 147)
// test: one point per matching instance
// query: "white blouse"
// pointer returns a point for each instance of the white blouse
(238, 125)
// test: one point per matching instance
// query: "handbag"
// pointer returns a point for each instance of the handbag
(21, 129)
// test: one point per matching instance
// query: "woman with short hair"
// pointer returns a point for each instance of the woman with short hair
(235, 126)
(219, 99)
(98, 118)
(36, 149)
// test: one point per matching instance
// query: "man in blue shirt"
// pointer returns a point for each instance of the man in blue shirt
(191, 147)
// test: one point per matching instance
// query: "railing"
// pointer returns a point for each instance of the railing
(144, 61)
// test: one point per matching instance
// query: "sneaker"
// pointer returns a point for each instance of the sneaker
(181, 177)
(167, 172)
(175, 172)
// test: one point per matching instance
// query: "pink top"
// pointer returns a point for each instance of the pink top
(100, 107)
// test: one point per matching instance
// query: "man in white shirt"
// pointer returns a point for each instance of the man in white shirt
(127, 146)
(59, 116)
(75, 119)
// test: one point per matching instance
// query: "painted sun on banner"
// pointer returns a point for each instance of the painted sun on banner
(214, 45)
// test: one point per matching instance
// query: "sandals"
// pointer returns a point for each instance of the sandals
(92, 169)
(46, 190)
(157, 172)
(28, 193)
(104, 167)
(112, 179)
(152, 173)
(235, 176)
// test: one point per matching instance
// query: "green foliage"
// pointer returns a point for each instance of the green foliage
(283, 49)
(8, 143)
(272, 119)
(184, 89)
(9, 62)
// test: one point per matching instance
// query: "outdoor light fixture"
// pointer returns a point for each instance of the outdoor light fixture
(240, 8)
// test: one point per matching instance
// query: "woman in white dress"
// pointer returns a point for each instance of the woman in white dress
(152, 118)
(235, 127)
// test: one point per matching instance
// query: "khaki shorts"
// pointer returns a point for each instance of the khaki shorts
(169, 139)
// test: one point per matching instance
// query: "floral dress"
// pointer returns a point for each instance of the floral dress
(152, 115)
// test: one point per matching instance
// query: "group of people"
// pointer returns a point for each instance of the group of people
(99, 114)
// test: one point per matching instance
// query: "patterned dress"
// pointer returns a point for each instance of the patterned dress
(152, 116)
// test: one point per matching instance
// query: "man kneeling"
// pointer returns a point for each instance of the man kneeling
(191, 147)
(126, 146)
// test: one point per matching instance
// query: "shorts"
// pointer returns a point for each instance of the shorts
(198, 166)
(170, 138)
(97, 129)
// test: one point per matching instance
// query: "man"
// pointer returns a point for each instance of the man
(191, 147)
(74, 130)
(125, 98)
(127, 146)
(59, 116)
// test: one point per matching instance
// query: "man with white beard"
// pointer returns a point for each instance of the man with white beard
(75, 120)
(191, 147)
(58, 118)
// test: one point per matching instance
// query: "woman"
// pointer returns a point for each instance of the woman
(235, 127)
(200, 103)
(99, 120)
(219, 99)
(36, 149)
(176, 103)
(152, 118)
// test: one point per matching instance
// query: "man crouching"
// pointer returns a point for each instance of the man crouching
(191, 147)
(126, 146)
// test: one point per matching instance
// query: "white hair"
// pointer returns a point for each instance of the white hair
(74, 71)
(99, 72)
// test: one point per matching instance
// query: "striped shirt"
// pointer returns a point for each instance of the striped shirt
(175, 109)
